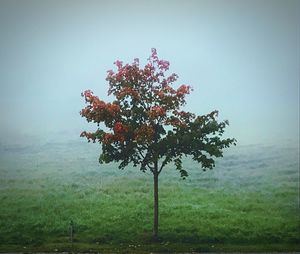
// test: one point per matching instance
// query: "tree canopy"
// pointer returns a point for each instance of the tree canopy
(146, 122)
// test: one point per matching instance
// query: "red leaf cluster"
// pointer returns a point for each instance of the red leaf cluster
(144, 134)
(144, 93)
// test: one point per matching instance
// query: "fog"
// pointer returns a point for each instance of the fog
(241, 57)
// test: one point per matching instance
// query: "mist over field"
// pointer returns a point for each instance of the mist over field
(240, 57)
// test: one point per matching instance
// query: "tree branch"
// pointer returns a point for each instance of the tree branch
(144, 157)
(150, 168)
(160, 169)
(141, 154)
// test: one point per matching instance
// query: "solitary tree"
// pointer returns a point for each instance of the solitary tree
(147, 126)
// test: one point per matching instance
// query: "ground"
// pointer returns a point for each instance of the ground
(249, 202)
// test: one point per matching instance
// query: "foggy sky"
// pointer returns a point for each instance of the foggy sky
(241, 57)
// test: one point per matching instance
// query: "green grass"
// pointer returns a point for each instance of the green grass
(227, 209)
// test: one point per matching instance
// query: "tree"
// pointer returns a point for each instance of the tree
(147, 126)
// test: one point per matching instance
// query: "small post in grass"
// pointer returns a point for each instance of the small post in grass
(71, 229)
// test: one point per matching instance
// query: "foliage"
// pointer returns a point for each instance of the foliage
(146, 121)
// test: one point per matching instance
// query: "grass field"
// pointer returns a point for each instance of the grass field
(249, 202)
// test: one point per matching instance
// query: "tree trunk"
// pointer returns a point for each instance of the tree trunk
(155, 225)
